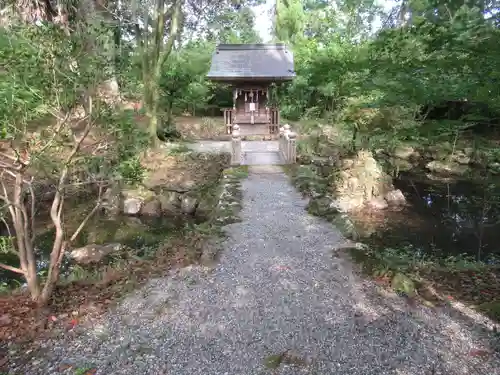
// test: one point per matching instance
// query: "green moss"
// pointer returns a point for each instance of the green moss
(239, 172)
(138, 192)
(178, 149)
(404, 284)
(307, 181)
(273, 361)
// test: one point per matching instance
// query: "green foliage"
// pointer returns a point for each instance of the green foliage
(382, 85)
(235, 26)
(183, 84)
(130, 141)
(27, 56)
(289, 22)
(6, 245)
(131, 170)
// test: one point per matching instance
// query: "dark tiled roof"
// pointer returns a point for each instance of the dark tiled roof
(239, 61)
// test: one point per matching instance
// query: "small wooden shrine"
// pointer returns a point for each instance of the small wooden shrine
(250, 69)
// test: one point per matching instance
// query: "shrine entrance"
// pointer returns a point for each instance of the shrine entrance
(250, 69)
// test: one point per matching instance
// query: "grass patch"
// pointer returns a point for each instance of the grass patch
(85, 370)
(274, 361)
(307, 180)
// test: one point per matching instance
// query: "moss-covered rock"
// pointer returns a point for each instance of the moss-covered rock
(446, 167)
(403, 284)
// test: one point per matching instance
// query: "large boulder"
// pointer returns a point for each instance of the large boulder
(403, 285)
(405, 152)
(378, 203)
(112, 200)
(188, 204)
(401, 165)
(446, 167)
(395, 198)
(134, 200)
(93, 253)
(462, 157)
(361, 182)
(152, 207)
(170, 201)
(132, 206)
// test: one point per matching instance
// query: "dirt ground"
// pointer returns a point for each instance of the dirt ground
(180, 170)
(195, 128)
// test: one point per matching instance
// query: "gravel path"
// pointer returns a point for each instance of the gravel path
(252, 152)
(225, 146)
(281, 300)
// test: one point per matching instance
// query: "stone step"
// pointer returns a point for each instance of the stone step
(255, 129)
(247, 119)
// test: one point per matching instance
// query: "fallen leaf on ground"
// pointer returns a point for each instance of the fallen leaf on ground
(282, 268)
(479, 353)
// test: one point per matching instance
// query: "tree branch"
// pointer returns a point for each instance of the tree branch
(56, 133)
(32, 197)
(12, 269)
(174, 30)
(89, 216)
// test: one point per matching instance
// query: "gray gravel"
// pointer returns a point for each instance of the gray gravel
(280, 285)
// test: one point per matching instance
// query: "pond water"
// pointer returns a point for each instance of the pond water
(140, 233)
(444, 218)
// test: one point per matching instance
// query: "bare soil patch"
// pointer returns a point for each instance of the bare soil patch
(210, 128)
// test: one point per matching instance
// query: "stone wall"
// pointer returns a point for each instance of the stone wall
(441, 160)
(183, 187)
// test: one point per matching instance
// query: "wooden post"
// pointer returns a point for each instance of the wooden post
(292, 148)
(236, 146)
(284, 142)
(281, 139)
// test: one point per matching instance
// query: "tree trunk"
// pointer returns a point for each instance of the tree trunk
(154, 58)
(153, 128)
(23, 227)
(169, 108)
(54, 268)
(354, 138)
